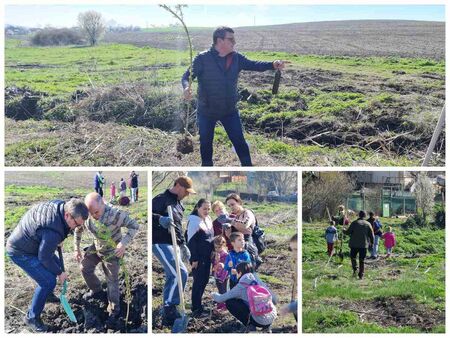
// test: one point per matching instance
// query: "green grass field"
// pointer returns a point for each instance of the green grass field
(372, 111)
(62, 70)
(403, 294)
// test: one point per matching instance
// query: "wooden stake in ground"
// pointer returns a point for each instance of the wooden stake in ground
(184, 145)
(434, 138)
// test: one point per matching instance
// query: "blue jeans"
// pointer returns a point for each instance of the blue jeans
(233, 127)
(165, 255)
(376, 242)
(46, 281)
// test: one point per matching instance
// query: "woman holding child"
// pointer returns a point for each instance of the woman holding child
(244, 221)
(200, 236)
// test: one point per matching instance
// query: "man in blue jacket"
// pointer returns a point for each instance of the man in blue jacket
(32, 247)
(217, 71)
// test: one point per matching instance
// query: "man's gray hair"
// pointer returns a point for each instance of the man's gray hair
(220, 32)
(76, 208)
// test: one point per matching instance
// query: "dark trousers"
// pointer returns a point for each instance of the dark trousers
(241, 312)
(330, 247)
(201, 278)
(362, 255)
(45, 280)
(233, 127)
(221, 286)
(99, 191)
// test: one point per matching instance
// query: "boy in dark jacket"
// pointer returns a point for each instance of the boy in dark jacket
(32, 247)
(236, 256)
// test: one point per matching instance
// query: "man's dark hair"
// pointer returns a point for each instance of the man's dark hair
(371, 214)
(220, 32)
(244, 267)
(76, 208)
(362, 214)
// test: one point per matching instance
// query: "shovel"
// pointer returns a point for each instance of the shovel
(180, 324)
(276, 82)
(62, 297)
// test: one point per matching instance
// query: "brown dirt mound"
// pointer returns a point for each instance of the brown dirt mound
(398, 312)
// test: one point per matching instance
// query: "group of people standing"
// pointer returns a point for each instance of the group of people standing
(223, 247)
(364, 235)
(133, 185)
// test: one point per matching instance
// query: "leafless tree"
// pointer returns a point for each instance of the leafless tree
(424, 194)
(92, 25)
(321, 190)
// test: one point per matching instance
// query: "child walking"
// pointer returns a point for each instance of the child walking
(389, 241)
(219, 257)
(112, 190)
(237, 255)
(331, 237)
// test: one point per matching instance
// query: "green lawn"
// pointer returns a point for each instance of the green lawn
(416, 273)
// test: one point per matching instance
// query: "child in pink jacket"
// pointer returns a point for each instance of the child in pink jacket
(389, 241)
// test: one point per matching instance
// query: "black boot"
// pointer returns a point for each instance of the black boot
(36, 324)
(51, 298)
(170, 313)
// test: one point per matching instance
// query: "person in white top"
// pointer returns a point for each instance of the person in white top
(200, 236)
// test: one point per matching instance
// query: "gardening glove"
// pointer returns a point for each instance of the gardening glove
(224, 219)
(185, 253)
(166, 222)
(226, 226)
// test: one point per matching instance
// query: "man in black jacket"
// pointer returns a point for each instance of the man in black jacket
(32, 247)
(361, 236)
(162, 242)
(217, 71)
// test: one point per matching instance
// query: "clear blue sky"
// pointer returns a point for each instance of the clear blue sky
(214, 15)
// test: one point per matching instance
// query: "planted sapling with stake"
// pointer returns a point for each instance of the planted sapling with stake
(184, 145)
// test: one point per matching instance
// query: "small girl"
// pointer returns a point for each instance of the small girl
(331, 237)
(218, 260)
(112, 189)
(389, 241)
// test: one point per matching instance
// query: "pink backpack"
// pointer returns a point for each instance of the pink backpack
(259, 299)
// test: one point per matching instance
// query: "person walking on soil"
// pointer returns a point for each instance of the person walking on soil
(162, 243)
(331, 238)
(200, 235)
(217, 71)
(237, 300)
(361, 235)
(376, 227)
(389, 241)
(104, 225)
(112, 190)
(123, 188)
(32, 247)
(133, 186)
(99, 182)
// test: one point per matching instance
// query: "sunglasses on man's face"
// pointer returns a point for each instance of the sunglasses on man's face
(232, 40)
